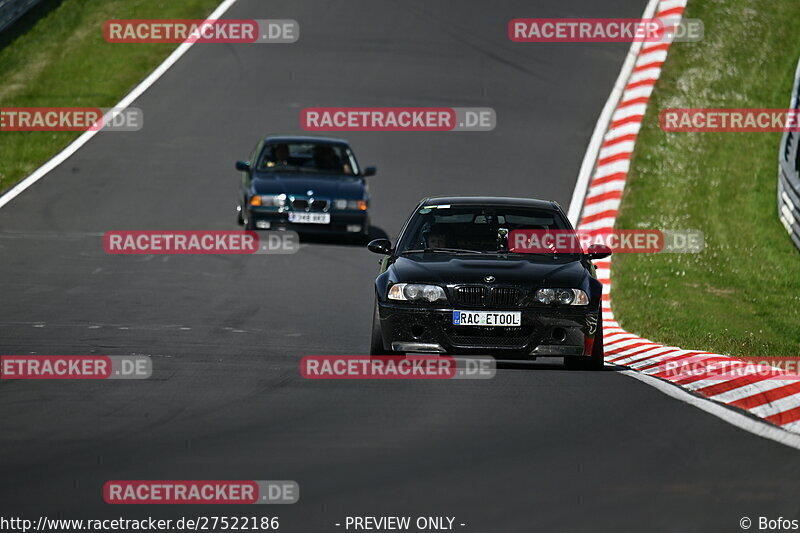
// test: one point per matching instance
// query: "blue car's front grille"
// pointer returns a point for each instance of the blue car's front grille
(306, 204)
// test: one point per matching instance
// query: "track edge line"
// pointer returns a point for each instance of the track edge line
(126, 101)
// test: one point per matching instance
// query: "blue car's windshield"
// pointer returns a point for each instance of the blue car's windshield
(324, 158)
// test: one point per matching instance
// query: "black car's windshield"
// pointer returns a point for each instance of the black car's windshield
(472, 229)
(324, 158)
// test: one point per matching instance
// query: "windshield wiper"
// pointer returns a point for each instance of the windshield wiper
(441, 250)
(552, 254)
(282, 168)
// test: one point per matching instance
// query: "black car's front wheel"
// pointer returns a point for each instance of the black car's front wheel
(376, 341)
(596, 361)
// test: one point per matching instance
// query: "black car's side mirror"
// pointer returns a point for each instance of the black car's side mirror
(380, 246)
(370, 171)
(244, 166)
(598, 251)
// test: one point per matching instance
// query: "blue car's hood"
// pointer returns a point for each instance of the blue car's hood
(298, 184)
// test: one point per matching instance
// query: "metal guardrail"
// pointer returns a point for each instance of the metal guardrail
(11, 10)
(789, 173)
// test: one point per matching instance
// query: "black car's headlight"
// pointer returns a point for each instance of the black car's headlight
(353, 205)
(562, 296)
(416, 292)
(268, 200)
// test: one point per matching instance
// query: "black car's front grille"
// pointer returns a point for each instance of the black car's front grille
(505, 296)
(472, 296)
(480, 296)
(483, 337)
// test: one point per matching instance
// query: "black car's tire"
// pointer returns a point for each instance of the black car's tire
(597, 360)
(376, 341)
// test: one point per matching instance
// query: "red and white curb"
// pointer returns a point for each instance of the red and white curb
(773, 398)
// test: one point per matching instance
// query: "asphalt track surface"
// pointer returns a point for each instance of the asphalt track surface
(536, 449)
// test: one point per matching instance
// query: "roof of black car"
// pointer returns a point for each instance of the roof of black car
(304, 139)
(490, 200)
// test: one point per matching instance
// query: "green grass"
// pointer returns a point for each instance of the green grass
(741, 295)
(63, 60)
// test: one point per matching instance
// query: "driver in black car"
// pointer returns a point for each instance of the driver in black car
(436, 238)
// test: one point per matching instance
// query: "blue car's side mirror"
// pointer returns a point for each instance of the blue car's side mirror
(370, 171)
(244, 166)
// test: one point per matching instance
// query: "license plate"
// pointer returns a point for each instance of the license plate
(487, 318)
(309, 218)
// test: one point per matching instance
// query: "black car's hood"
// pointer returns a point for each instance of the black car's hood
(538, 271)
(299, 183)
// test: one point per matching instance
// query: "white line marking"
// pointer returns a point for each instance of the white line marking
(137, 91)
(756, 427)
(600, 134)
(590, 158)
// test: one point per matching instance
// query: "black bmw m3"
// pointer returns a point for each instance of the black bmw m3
(452, 284)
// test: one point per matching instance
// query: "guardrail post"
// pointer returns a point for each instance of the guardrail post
(789, 173)
(11, 10)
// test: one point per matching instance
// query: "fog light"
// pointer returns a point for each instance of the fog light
(262, 224)
(353, 228)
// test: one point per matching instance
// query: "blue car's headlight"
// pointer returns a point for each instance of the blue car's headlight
(562, 296)
(268, 200)
(353, 205)
(416, 292)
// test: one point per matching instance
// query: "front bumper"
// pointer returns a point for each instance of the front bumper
(352, 222)
(544, 332)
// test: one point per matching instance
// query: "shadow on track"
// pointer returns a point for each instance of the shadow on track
(549, 363)
(359, 241)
